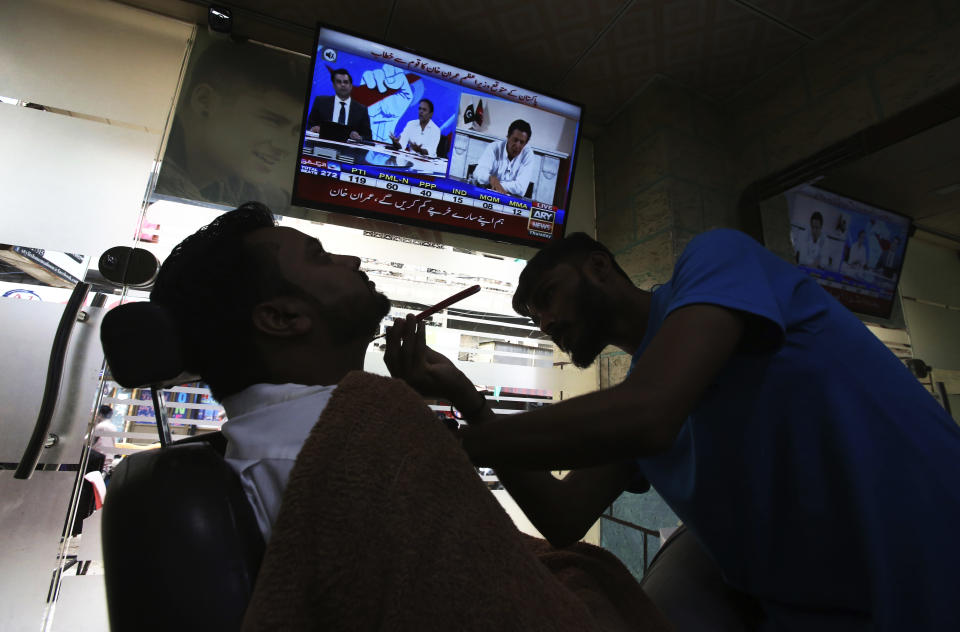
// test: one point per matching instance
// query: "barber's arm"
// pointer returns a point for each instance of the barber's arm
(562, 510)
(639, 417)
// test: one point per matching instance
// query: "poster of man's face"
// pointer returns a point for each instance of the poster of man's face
(236, 128)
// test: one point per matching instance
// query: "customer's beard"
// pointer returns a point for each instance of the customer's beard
(357, 322)
(594, 316)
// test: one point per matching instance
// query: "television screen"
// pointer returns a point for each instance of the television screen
(854, 250)
(393, 135)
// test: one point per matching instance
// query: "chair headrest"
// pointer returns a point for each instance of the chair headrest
(142, 346)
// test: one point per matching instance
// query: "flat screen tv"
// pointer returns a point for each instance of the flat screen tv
(428, 144)
(854, 250)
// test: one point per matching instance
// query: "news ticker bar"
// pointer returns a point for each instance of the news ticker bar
(462, 194)
(828, 278)
(856, 290)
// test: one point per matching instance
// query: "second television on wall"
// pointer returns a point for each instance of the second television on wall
(392, 135)
(854, 250)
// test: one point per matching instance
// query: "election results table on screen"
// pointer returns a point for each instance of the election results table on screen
(376, 155)
(318, 159)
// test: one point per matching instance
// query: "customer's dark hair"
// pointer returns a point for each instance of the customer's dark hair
(573, 249)
(209, 284)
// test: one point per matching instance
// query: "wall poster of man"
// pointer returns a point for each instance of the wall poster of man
(236, 128)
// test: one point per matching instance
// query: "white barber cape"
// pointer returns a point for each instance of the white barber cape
(267, 425)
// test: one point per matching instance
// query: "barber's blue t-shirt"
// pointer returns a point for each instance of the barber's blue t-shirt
(816, 470)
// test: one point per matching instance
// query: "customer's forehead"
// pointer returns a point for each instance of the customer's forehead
(286, 245)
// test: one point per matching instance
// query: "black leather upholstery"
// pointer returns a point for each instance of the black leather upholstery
(181, 546)
(177, 528)
(142, 346)
(688, 587)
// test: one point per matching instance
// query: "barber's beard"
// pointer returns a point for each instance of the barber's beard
(594, 321)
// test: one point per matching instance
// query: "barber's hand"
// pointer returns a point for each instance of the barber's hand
(429, 373)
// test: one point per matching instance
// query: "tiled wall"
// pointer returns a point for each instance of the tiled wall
(890, 56)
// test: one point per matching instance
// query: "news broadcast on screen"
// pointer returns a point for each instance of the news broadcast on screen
(853, 249)
(392, 135)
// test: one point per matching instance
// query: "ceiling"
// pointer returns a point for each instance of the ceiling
(600, 53)
(919, 177)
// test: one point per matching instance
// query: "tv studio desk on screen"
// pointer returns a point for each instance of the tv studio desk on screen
(375, 155)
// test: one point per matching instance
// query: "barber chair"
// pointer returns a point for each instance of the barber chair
(181, 546)
(688, 587)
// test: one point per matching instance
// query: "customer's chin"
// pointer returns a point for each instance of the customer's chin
(583, 356)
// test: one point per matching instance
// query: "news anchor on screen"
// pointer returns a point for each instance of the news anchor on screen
(340, 109)
(810, 248)
(421, 135)
(506, 166)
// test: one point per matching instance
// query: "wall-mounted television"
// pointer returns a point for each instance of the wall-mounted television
(854, 250)
(389, 134)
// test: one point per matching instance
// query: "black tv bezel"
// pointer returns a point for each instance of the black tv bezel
(906, 244)
(309, 204)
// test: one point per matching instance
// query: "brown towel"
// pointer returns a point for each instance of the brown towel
(386, 526)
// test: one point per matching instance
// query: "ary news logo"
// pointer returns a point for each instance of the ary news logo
(542, 215)
(22, 294)
(329, 55)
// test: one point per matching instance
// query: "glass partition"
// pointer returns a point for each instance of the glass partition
(85, 92)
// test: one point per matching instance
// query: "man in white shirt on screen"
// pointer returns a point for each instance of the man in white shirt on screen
(857, 259)
(506, 166)
(811, 244)
(878, 236)
(421, 136)
(890, 261)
